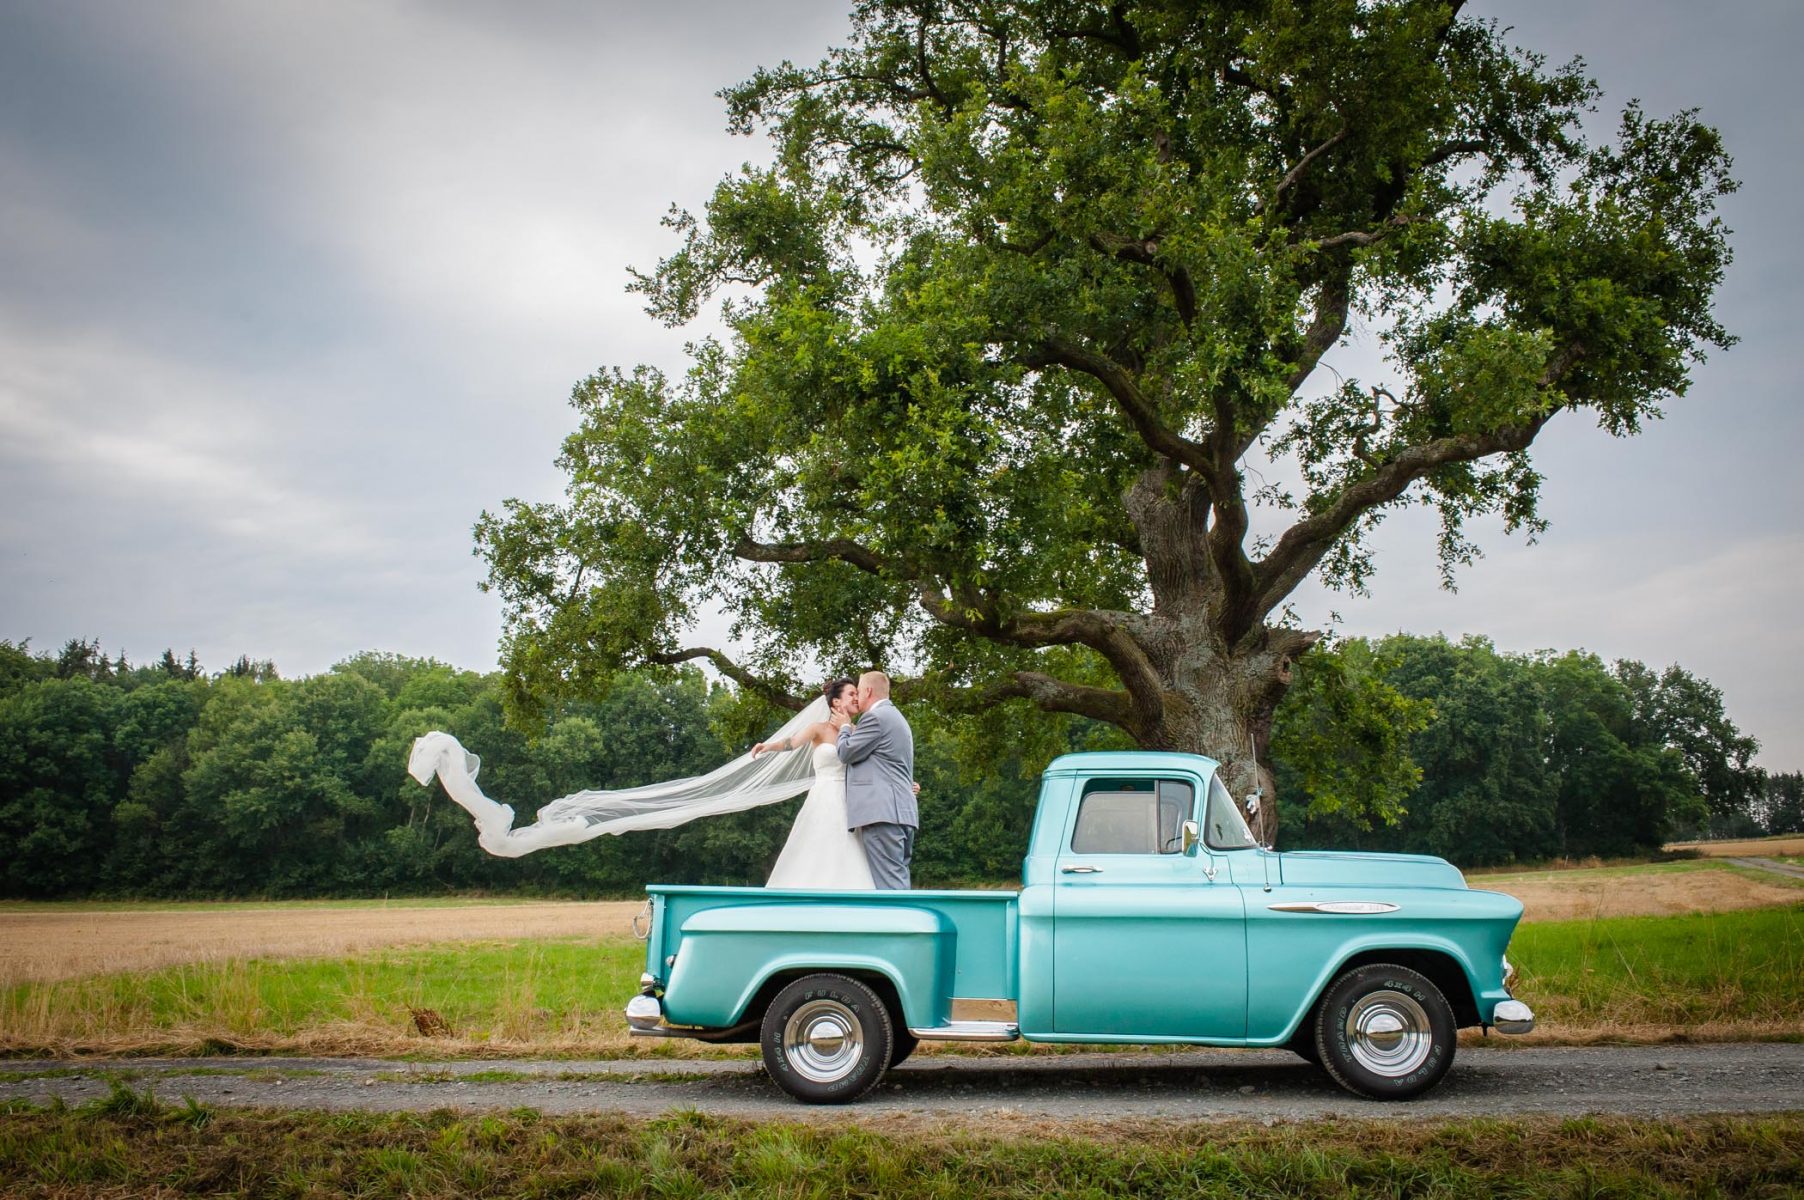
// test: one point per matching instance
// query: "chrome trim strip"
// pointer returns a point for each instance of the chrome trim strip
(1359, 908)
(970, 1031)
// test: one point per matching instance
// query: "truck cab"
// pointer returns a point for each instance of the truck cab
(1147, 913)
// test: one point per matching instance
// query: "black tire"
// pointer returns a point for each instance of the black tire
(1385, 1031)
(905, 1045)
(827, 1039)
(1303, 1044)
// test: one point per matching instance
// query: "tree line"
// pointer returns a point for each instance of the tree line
(169, 780)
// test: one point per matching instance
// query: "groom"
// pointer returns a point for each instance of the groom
(879, 753)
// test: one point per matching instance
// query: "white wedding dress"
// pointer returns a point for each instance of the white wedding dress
(821, 853)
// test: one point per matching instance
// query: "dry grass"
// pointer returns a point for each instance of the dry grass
(1654, 891)
(1746, 847)
(45, 943)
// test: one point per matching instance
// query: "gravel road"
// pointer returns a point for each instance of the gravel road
(1080, 1088)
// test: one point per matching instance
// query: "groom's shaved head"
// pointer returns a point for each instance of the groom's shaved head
(876, 683)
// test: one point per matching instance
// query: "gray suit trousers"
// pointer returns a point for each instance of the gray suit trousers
(889, 849)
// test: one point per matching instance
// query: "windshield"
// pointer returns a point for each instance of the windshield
(1224, 828)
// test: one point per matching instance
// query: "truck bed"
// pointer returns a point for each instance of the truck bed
(971, 936)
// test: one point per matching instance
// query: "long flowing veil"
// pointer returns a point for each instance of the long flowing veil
(745, 782)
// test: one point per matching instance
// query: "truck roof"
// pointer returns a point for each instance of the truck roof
(1092, 761)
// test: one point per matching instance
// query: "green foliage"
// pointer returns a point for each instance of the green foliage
(1526, 757)
(1781, 804)
(1343, 736)
(144, 783)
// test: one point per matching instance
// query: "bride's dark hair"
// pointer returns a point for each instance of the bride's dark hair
(832, 688)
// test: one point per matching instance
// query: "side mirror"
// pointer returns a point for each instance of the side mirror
(1192, 834)
(1253, 805)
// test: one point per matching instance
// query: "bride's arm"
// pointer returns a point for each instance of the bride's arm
(796, 741)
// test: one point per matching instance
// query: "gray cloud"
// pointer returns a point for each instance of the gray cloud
(290, 292)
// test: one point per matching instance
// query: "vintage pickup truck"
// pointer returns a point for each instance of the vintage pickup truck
(1147, 913)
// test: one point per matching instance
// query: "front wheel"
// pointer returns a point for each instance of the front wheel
(1385, 1031)
(827, 1039)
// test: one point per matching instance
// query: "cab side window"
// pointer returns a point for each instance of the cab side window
(1132, 816)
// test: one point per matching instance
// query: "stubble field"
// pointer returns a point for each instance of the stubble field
(42, 942)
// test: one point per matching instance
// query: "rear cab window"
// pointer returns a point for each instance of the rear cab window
(1132, 816)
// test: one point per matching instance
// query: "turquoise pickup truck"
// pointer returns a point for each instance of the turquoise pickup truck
(1147, 913)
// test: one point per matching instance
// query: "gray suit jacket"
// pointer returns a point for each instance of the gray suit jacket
(879, 753)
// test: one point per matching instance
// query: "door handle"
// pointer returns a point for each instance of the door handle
(1081, 870)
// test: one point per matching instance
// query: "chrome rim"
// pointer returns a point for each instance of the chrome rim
(823, 1041)
(1389, 1033)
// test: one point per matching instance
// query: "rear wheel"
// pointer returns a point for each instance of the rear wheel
(1385, 1031)
(827, 1039)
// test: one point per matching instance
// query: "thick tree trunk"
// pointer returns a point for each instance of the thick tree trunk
(1221, 705)
(1222, 671)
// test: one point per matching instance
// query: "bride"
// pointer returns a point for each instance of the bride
(821, 853)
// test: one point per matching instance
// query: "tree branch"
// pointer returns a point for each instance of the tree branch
(1046, 692)
(1131, 400)
(1303, 164)
(1325, 328)
(839, 549)
(1361, 237)
(1101, 630)
(1304, 543)
(1145, 252)
(732, 670)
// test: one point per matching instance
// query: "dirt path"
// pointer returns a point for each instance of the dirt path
(1770, 864)
(1078, 1089)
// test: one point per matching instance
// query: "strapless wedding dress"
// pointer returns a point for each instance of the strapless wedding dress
(822, 854)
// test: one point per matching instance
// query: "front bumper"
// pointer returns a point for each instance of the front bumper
(1512, 1016)
(643, 1013)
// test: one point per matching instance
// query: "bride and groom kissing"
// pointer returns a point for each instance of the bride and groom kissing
(856, 829)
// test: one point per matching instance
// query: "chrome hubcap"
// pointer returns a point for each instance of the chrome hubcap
(823, 1041)
(1389, 1033)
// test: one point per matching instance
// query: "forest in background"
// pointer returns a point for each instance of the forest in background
(166, 780)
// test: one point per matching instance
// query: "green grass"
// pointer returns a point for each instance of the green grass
(129, 1144)
(1745, 966)
(550, 991)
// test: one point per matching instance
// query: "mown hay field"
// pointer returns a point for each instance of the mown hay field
(1786, 845)
(53, 941)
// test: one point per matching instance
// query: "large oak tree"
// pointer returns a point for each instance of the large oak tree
(1028, 288)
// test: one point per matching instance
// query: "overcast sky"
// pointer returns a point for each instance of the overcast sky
(291, 291)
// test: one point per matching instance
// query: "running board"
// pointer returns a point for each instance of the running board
(695, 1032)
(970, 1031)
